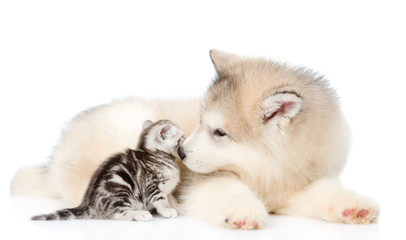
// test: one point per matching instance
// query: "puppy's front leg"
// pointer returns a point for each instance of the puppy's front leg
(225, 202)
(328, 200)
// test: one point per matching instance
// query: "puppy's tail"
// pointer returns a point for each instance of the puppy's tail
(65, 214)
(33, 181)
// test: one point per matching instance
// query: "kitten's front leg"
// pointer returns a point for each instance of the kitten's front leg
(123, 211)
(224, 201)
(122, 208)
(160, 203)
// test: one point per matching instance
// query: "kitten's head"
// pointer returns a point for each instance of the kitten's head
(162, 135)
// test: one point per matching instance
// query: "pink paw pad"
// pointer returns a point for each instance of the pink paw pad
(348, 212)
(244, 224)
(363, 213)
(351, 213)
(240, 223)
(254, 225)
(360, 217)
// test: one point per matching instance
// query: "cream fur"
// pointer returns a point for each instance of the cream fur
(93, 136)
(289, 166)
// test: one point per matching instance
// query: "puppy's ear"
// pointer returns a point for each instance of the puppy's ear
(164, 132)
(222, 60)
(280, 106)
(146, 124)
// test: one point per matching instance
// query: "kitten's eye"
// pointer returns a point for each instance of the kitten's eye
(219, 132)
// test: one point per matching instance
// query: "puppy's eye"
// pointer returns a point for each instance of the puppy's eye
(219, 132)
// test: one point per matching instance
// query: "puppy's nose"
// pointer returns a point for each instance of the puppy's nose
(181, 153)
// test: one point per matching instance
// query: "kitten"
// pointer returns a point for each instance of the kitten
(129, 184)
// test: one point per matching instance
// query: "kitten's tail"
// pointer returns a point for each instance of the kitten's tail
(65, 214)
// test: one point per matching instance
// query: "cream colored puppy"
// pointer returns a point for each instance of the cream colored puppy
(270, 139)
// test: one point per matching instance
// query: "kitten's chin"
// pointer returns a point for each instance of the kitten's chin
(174, 153)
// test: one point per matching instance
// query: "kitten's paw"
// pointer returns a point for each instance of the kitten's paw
(141, 216)
(246, 216)
(134, 215)
(168, 212)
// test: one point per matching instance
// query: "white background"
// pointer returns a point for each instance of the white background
(60, 57)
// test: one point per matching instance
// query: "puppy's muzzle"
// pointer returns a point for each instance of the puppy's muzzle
(181, 153)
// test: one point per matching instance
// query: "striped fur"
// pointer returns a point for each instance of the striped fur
(129, 184)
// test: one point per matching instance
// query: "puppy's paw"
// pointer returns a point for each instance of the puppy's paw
(356, 209)
(247, 215)
(360, 216)
(243, 223)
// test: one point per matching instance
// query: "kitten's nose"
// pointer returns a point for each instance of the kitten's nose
(181, 153)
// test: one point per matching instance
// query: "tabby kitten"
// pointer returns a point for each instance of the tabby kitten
(129, 184)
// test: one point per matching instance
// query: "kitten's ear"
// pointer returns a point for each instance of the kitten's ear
(164, 132)
(146, 124)
(280, 106)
